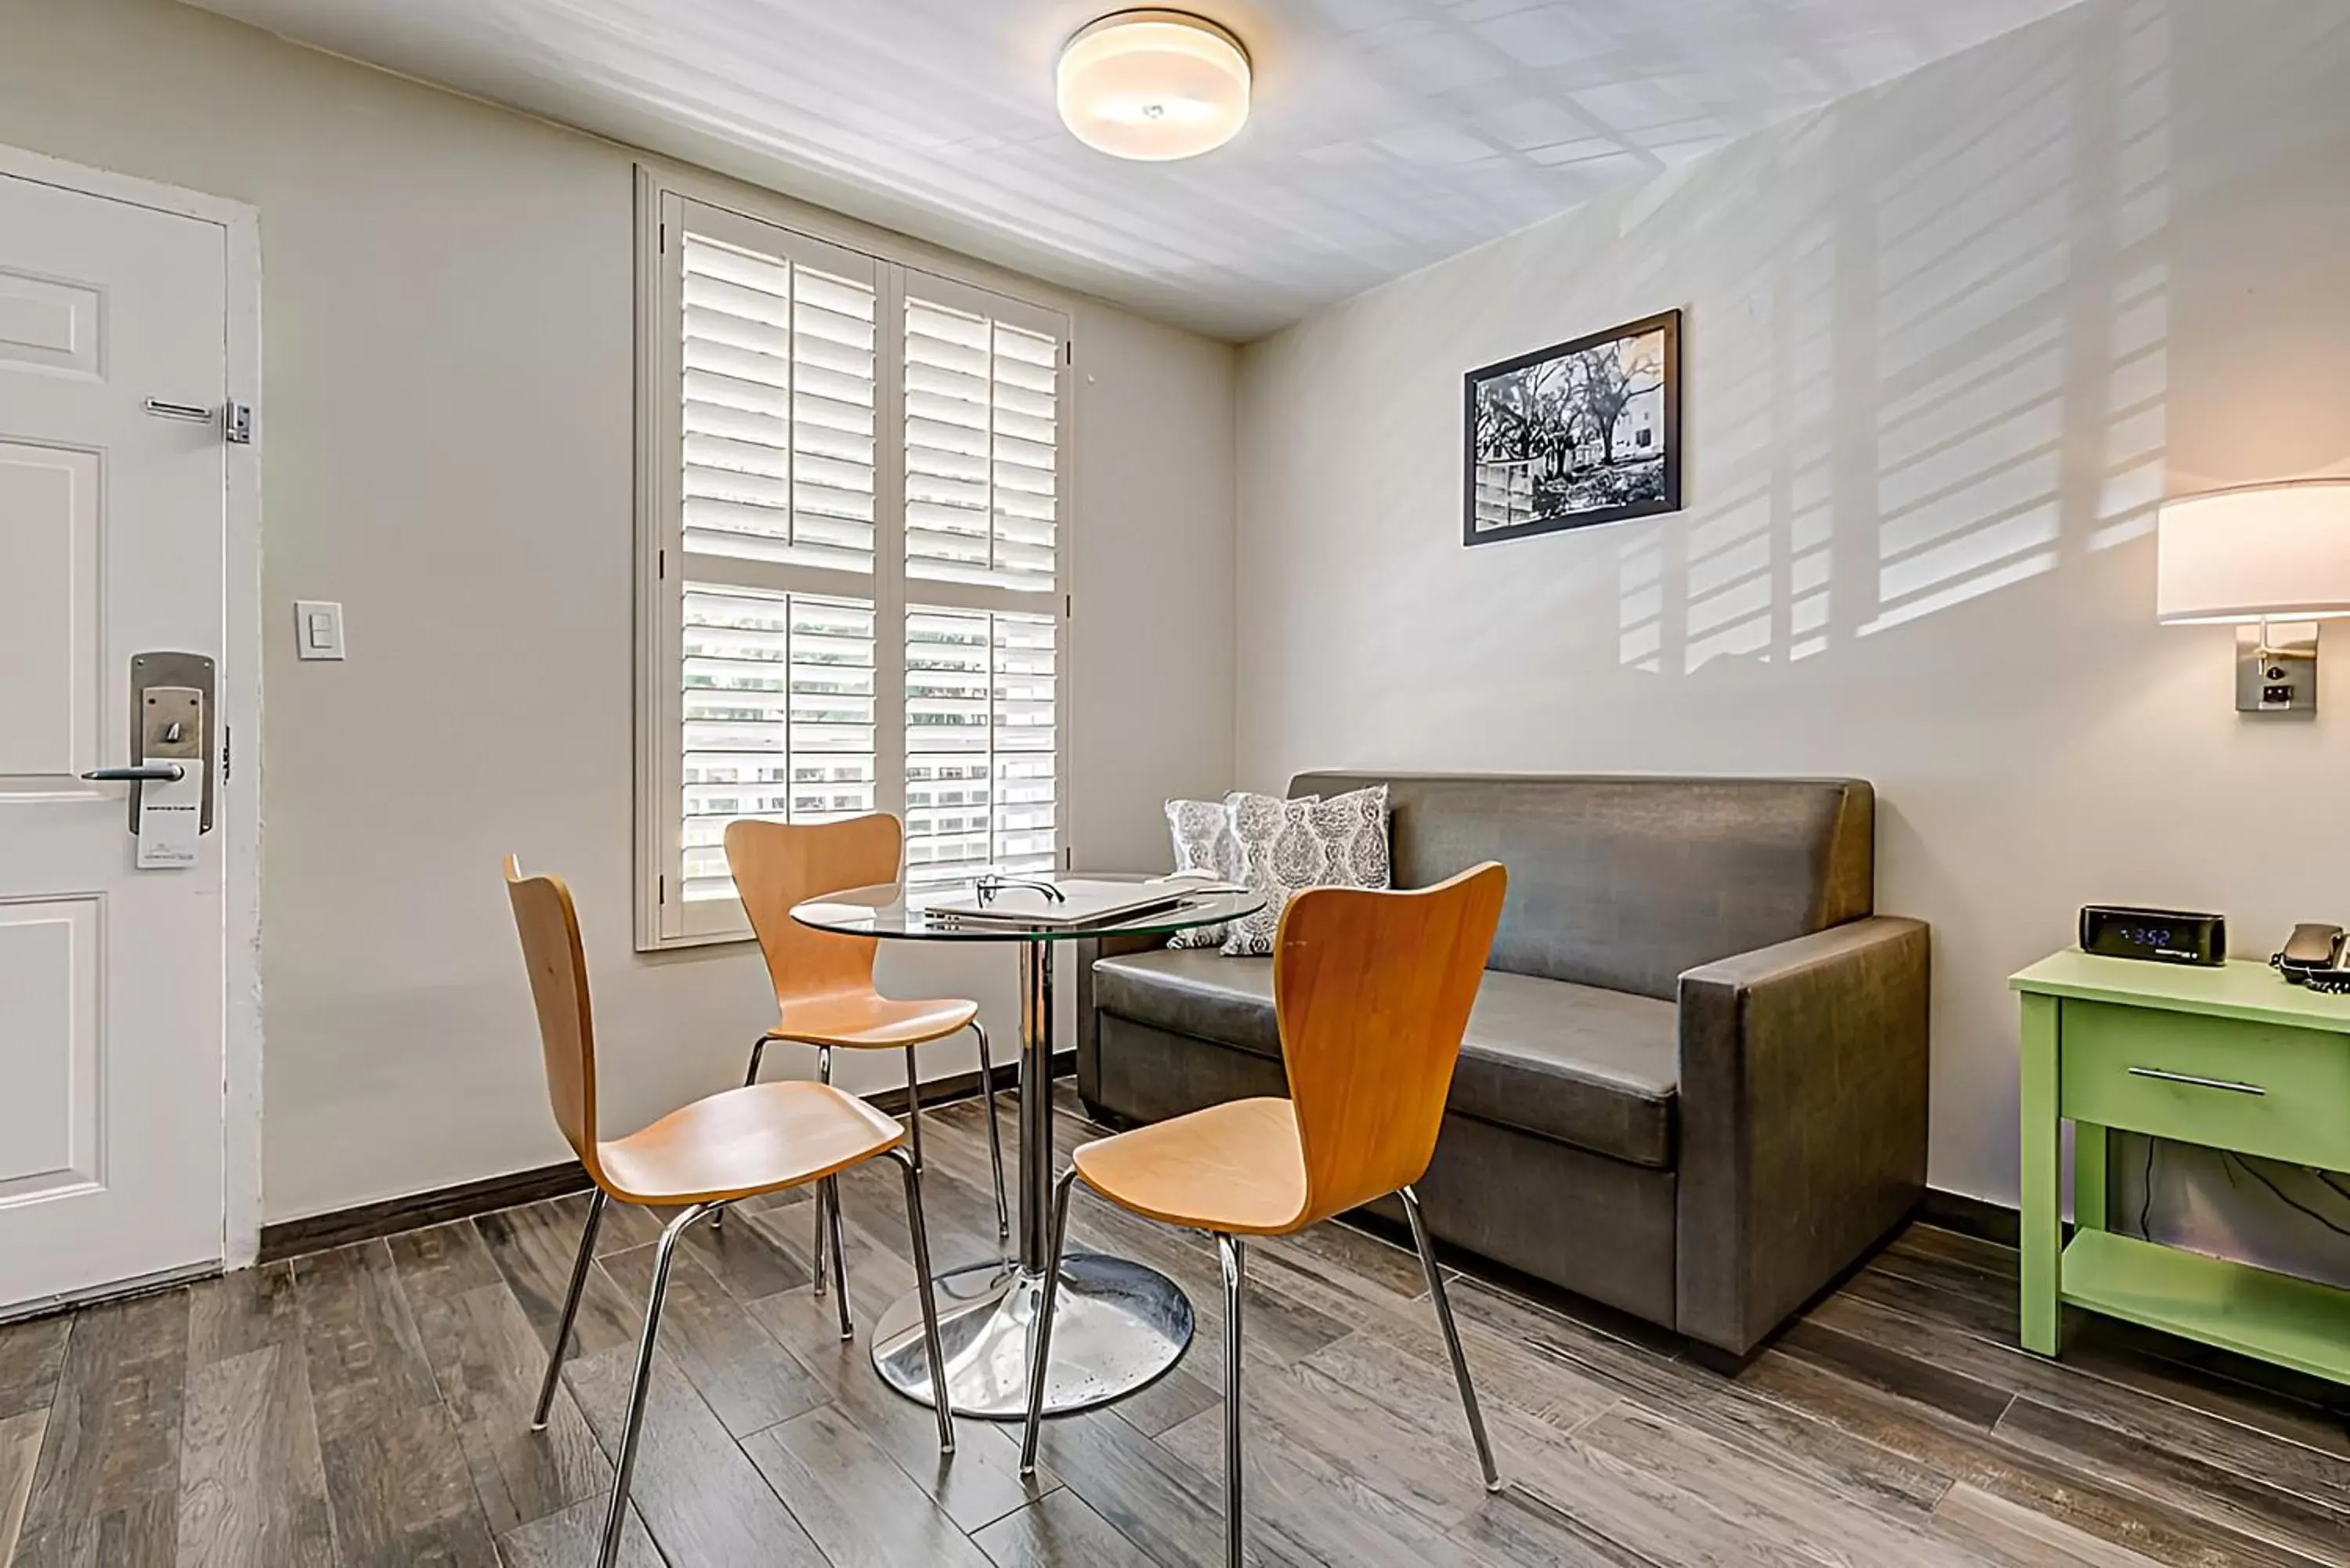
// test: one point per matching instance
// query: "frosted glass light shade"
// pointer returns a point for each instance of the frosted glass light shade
(2264, 552)
(1153, 85)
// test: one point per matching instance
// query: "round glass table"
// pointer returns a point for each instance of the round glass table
(1119, 1324)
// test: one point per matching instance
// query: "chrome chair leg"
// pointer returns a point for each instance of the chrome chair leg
(923, 1285)
(823, 1189)
(830, 1194)
(1452, 1337)
(1040, 1355)
(1233, 1253)
(758, 1049)
(571, 1310)
(995, 1135)
(914, 1106)
(632, 1425)
(815, 1258)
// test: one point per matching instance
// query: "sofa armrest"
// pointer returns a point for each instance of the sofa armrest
(1802, 1120)
(1088, 950)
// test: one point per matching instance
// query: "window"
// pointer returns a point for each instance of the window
(851, 599)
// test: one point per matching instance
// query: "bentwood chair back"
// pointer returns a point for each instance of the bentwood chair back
(779, 864)
(1372, 992)
(722, 1148)
(824, 994)
(550, 928)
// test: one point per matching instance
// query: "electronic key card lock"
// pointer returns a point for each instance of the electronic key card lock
(171, 741)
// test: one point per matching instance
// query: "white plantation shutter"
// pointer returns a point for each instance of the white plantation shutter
(778, 719)
(983, 395)
(981, 761)
(778, 410)
(982, 447)
(828, 436)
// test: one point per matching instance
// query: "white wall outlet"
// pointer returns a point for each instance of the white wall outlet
(318, 628)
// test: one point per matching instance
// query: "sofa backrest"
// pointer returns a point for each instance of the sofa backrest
(1624, 881)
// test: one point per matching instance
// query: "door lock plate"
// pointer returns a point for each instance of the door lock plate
(171, 719)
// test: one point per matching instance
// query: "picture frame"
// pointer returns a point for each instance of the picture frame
(1561, 436)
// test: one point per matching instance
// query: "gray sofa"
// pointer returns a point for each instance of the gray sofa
(1694, 1086)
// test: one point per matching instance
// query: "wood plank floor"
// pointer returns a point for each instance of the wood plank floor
(368, 1406)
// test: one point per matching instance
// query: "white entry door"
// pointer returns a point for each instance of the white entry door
(112, 543)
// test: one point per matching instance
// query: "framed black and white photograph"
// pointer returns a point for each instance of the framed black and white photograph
(1576, 434)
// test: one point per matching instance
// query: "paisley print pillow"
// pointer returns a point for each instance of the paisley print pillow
(1289, 846)
(1202, 832)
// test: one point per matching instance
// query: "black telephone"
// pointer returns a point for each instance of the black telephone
(2314, 956)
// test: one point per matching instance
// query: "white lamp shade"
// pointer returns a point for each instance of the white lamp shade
(1153, 85)
(2264, 552)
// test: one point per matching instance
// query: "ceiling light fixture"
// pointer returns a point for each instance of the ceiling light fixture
(1153, 85)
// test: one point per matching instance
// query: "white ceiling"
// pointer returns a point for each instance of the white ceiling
(1386, 133)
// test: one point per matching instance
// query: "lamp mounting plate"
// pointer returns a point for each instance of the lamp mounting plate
(2276, 666)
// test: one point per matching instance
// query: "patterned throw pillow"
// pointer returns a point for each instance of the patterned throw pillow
(1289, 846)
(1202, 832)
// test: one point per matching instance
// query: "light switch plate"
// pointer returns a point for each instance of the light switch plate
(318, 628)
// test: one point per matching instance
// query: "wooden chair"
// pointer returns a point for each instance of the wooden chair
(825, 995)
(733, 1144)
(1372, 991)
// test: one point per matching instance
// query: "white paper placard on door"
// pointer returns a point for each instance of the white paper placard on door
(170, 817)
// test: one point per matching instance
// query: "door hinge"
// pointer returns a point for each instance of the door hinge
(664, 239)
(661, 569)
(664, 889)
(1069, 352)
(228, 735)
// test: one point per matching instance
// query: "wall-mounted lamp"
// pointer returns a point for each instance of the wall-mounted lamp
(2274, 559)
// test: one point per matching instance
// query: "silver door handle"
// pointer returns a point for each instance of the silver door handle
(145, 773)
(2229, 1084)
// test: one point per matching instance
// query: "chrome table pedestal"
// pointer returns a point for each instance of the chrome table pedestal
(1119, 1325)
(1117, 1328)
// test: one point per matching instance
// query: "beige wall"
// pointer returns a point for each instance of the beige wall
(446, 424)
(1945, 343)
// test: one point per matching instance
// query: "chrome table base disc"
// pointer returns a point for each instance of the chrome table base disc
(1117, 1328)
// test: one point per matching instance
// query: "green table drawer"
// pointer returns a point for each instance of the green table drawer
(2259, 1088)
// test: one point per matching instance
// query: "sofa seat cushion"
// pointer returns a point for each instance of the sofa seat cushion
(1187, 990)
(1597, 1069)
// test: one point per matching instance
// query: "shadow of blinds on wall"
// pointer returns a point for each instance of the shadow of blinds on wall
(830, 436)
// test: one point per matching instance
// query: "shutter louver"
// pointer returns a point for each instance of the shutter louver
(981, 450)
(778, 719)
(980, 760)
(779, 422)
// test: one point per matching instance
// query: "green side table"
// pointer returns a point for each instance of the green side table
(2231, 1058)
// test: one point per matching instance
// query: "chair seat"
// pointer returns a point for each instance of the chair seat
(744, 1142)
(857, 1019)
(1236, 1167)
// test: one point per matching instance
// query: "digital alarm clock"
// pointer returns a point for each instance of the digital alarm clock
(2165, 936)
